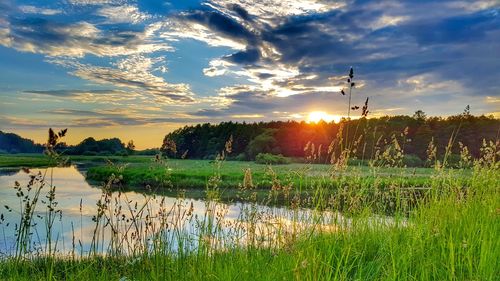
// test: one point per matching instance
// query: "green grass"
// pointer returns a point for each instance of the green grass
(306, 179)
(141, 171)
(39, 160)
(450, 238)
(450, 233)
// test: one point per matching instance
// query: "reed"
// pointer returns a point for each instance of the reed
(339, 227)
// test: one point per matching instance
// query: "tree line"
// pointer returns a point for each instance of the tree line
(295, 139)
(13, 143)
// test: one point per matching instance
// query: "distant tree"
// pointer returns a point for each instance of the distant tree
(12, 143)
(263, 143)
(130, 147)
(91, 145)
(169, 147)
(290, 137)
(419, 115)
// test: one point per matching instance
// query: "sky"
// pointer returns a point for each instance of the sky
(140, 69)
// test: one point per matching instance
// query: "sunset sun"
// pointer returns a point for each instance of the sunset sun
(297, 139)
(316, 116)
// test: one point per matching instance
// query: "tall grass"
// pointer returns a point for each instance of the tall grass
(445, 230)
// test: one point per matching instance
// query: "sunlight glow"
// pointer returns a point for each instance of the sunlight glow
(317, 116)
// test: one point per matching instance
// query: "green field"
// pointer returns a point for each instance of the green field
(447, 232)
(194, 176)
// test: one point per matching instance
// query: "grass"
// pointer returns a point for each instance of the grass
(39, 160)
(141, 171)
(448, 231)
(450, 238)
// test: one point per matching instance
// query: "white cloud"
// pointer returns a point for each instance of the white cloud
(133, 72)
(36, 10)
(387, 20)
(428, 83)
(272, 11)
(98, 2)
(123, 14)
(217, 67)
(489, 99)
(176, 30)
(79, 39)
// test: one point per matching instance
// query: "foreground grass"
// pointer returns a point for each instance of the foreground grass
(451, 233)
(454, 237)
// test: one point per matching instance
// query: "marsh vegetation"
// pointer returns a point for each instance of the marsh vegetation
(251, 221)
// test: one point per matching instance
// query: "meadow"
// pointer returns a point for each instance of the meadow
(364, 223)
(239, 180)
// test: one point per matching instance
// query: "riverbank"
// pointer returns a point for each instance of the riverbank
(141, 171)
(452, 236)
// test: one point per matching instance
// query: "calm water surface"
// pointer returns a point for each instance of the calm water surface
(77, 199)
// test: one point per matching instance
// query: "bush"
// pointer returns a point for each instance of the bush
(89, 153)
(453, 161)
(149, 152)
(267, 158)
(240, 157)
(411, 160)
(357, 162)
(121, 153)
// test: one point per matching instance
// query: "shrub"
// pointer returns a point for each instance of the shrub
(150, 152)
(121, 153)
(453, 161)
(412, 160)
(357, 162)
(240, 157)
(89, 153)
(267, 158)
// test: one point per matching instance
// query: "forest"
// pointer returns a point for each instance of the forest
(297, 139)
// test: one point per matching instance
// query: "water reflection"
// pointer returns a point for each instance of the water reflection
(131, 220)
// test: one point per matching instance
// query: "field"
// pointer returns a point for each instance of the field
(142, 173)
(444, 224)
(139, 171)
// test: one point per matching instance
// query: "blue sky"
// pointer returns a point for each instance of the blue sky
(138, 69)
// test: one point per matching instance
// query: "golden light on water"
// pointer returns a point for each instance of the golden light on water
(317, 116)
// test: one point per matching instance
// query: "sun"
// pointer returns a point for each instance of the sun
(316, 116)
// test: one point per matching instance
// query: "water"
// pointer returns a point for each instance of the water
(136, 218)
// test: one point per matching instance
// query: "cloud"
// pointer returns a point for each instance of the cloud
(189, 29)
(91, 96)
(71, 112)
(123, 14)
(287, 57)
(272, 11)
(247, 100)
(133, 72)
(15, 122)
(306, 47)
(97, 2)
(248, 56)
(27, 9)
(108, 118)
(217, 67)
(53, 38)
